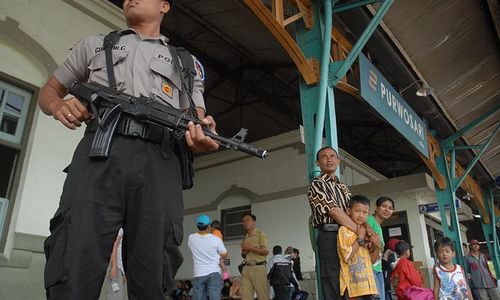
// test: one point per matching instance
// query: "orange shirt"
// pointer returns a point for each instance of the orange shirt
(217, 233)
(356, 274)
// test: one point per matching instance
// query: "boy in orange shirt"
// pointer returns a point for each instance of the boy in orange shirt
(215, 229)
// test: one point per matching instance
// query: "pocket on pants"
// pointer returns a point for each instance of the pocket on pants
(57, 247)
(172, 256)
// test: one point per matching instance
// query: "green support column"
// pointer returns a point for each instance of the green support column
(490, 232)
(311, 44)
(447, 196)
(495, 245)
(318, 102)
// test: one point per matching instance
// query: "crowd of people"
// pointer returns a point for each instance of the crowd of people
(262, 279)
(136, 184)
(350, 246)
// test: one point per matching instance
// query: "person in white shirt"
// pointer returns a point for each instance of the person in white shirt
(116, 273)
(207, 249)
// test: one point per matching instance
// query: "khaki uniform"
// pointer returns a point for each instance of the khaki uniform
(254, 275)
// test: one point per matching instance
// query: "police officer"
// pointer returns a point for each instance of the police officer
(138, 187)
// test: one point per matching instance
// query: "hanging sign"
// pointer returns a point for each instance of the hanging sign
(379, 93)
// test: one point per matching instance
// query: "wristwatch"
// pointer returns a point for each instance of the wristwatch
(361, 241)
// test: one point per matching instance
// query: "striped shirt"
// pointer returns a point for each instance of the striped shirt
(326, 193)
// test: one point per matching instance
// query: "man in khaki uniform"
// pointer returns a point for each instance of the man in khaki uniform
(254, 250)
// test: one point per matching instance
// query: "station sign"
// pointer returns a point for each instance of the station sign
(380, 94)
(434, 207)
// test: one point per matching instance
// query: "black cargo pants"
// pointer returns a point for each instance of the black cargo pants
(138, 187)
(329, 264)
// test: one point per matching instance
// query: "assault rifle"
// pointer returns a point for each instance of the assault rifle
(147, 110)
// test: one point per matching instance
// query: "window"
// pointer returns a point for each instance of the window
(14, 105)
(231, 222)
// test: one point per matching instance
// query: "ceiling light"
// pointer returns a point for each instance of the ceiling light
(468, 196)
(423, 91)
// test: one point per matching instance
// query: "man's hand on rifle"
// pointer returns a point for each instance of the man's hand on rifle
(69, 112)
(197, 141)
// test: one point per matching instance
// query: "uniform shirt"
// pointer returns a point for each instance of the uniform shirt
(206, 250)
(453, 285)
(326, 193)
(143, 66)
(356, 274)
(257, 239)
(481, 276)
(377, 266)
(404, 276)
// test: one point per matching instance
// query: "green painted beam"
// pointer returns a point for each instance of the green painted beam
(471, 125)
(478, 156)
(464, 147)
(341, 68)
(352, 5)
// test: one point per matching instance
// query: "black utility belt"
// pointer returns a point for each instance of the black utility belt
(259, 263)
(329, 227)
(131, 127)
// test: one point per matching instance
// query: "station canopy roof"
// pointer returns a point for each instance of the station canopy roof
(452, 46)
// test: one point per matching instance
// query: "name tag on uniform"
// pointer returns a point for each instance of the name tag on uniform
(167, 89)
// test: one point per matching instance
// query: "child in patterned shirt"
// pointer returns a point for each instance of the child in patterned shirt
(449, 278)
(356, 254)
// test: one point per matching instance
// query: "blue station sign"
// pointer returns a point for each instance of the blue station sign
(380, 94)
(434, 207)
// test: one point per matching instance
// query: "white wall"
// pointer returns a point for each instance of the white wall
(56, 26)
(284, 221)
(275, 187)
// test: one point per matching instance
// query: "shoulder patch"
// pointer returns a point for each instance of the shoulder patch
(199, 69)
(167, 89)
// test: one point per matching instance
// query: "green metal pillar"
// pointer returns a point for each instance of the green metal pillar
(447, 196)
(490, 232)
(318, 102)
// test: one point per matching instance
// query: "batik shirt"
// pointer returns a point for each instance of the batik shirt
(326, 193)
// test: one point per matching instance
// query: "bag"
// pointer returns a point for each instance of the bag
(300, 295)
(417, 293)
(241, 266)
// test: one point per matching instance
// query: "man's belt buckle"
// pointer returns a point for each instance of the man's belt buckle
(330, 227)
(136, 128)
(255, 263)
